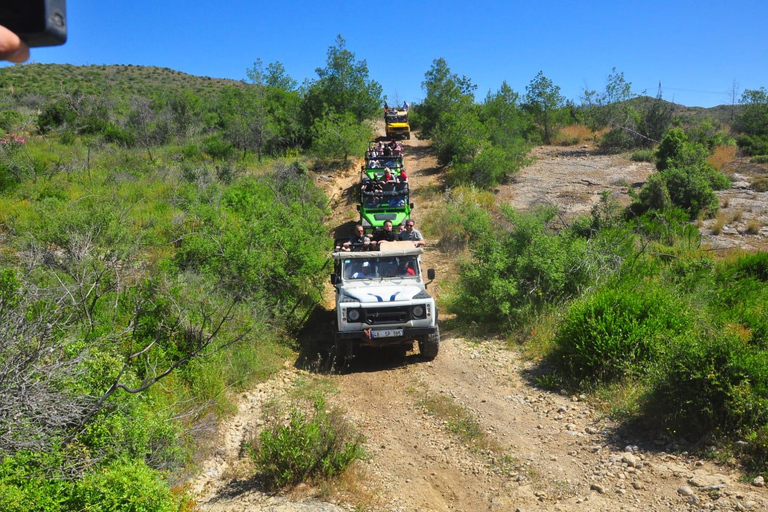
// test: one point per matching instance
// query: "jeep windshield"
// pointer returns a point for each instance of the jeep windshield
(381, 267)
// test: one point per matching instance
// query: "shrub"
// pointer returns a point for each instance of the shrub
(217, 148)
(517, 271)
(125, 486)
(321, 445)
(463, 219)
(759, 159)
(10, 120)
(616, 141)
(714, 382)
(753, 144)
(619, 332)
(759, 184)
(642, 155)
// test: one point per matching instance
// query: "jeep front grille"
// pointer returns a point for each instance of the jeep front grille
(377, 316)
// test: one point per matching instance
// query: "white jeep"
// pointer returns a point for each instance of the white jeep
(381, 300)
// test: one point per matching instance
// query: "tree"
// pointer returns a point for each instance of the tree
(340, 135)
(245, 119)
(543, 100)
(754, 120)
(445, 92)
(343, 86)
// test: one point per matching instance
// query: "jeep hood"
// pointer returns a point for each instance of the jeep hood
(377, 294)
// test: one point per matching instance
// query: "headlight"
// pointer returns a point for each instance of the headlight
(418, 311)
(353, 315)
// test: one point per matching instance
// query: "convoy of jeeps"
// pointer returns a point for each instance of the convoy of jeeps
(381, 290)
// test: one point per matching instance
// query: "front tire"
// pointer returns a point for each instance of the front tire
(429, 345)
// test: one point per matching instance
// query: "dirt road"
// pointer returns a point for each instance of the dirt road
(542, 451)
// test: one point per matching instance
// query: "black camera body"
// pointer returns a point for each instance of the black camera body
(36, 22)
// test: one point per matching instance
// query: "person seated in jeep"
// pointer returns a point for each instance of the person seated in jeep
(365, 271)
(403, 178)
(409, 233)
(358, 242)
(383, 235)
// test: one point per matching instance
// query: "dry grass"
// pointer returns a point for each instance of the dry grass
(738, 215)
(760, 184)
(572, 135)
(722, 156)
(719, 223)
(753, 226)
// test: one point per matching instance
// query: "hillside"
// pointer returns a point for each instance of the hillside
(151, 81)
(52, 80)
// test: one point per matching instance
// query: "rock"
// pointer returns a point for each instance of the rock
(597, 487)
(685, 491)
(759, 481)
(629, 459)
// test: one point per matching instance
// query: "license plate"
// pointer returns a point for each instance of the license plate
(386, 333)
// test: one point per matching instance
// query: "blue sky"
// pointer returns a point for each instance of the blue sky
(696, 49)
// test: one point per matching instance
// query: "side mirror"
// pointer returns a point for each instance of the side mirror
(431, 274)
(358, 207)
(412, 207)
(334, 278)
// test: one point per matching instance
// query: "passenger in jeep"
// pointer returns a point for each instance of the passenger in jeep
(358, 242)
(409, 233)
(383, 235)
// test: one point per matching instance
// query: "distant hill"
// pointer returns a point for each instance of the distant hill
(723, 113)
(52, 80)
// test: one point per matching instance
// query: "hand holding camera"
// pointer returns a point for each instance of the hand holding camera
(30, 23)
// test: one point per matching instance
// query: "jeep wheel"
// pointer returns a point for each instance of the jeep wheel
(429, 345)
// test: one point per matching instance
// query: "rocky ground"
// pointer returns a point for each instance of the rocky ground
(542, 451)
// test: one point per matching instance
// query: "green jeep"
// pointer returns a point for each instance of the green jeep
(380, 202)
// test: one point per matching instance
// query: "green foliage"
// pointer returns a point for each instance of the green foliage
(617, 140)
(482, 144)
(753, 144)
(544, 102)
(128, 486)
(685, 179)
(10, 120)
(714, 382)
(754, 119)
(642, 155)
(339, 136)
(463, 218)
(619, 331)
(516, 271)
(319, 445)
(343, 87)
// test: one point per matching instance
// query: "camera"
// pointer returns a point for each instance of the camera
(36, 22)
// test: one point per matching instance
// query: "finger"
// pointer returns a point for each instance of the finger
(12, 48)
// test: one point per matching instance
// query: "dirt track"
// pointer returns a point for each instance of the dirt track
(552, 452)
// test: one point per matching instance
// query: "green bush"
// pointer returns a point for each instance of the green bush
(319, 445)
(217, 148)
(127, 486)
(516, 271)
(619, 331)
(616, 141)
(642, 155)
(10, 120)
(753, 144)
(714, 383)
(463, 218)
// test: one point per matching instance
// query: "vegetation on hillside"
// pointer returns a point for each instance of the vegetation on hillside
(160, 244)
(160, 247)
(625, 298)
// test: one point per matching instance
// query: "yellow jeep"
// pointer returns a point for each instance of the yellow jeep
(397, 123)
